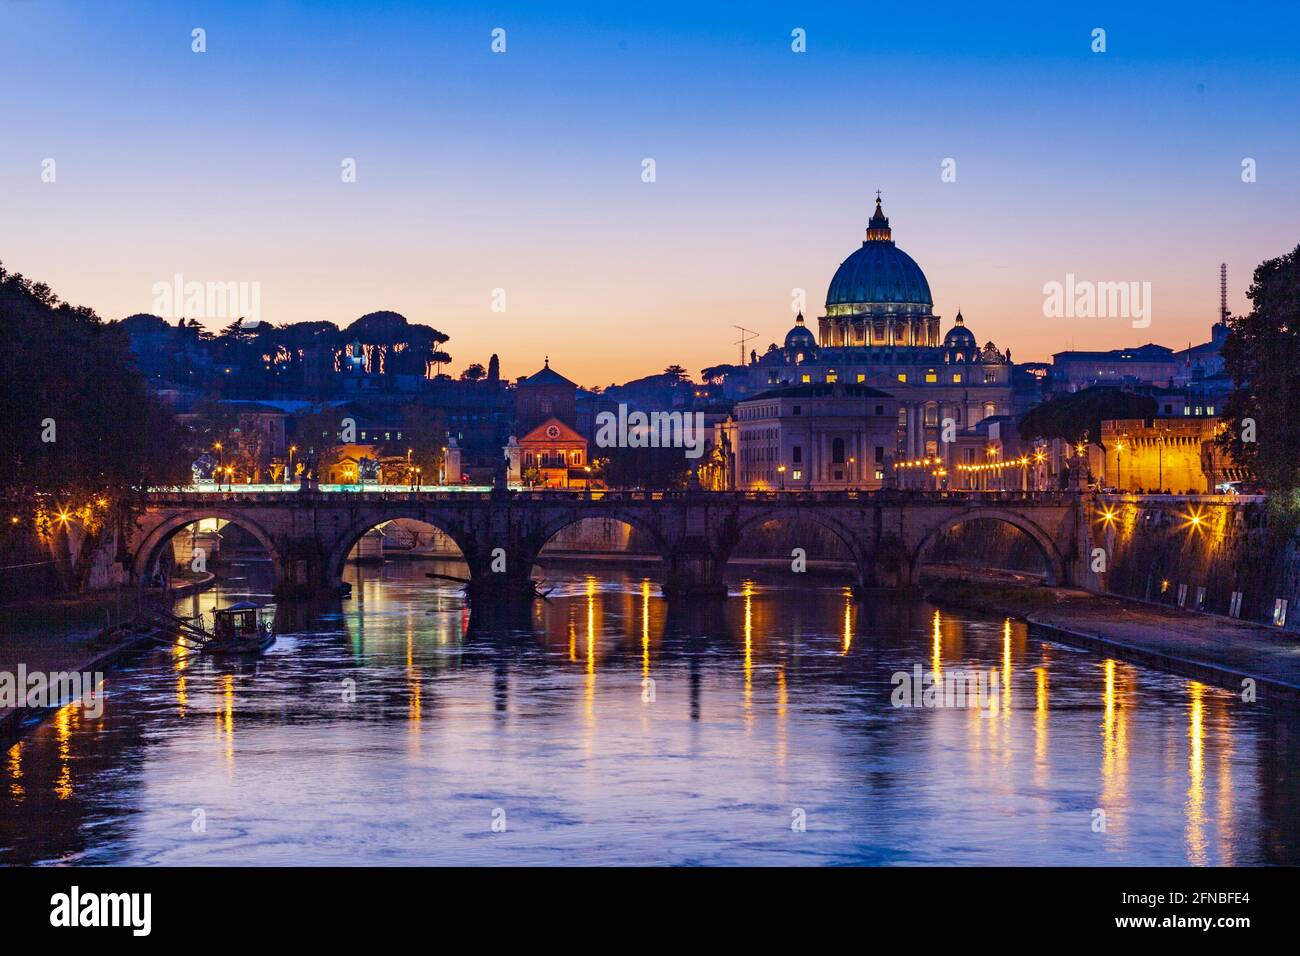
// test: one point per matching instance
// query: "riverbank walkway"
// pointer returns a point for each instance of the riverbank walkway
(1215, 649)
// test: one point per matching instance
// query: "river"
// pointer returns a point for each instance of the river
(391, 728)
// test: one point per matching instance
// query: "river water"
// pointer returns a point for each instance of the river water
(391, 728)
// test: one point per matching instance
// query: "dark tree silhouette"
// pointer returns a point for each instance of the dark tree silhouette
(1262, 355)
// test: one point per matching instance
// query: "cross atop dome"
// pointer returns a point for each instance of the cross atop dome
(878, 227)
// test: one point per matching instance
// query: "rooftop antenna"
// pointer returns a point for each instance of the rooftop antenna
(745, 336)
(1223, 292)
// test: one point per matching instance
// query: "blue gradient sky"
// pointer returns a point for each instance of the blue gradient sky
(522, 171)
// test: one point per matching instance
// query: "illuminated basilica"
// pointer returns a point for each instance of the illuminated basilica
(880, 330)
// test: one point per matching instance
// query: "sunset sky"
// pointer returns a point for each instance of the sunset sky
(522, 171)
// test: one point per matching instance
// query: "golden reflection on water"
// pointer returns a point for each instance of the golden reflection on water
(226, 717)
(848, 621)
(1005, 702)
(1197, 844)
(14, 767)
(747, 589)
(65, 720)
(1226, 822)
(181, 663)
(645, 627)
(936, 664)
(414, 703)
(1042, 691)
(1114, 749)
(589, 697)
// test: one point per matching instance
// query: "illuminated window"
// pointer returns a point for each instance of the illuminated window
(832, 377)
(956, 378)
(806, 378)
(902, 376)
(930, 377)
(861, 377)
(796, 474)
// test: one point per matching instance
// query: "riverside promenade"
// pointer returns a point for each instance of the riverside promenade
(1216, 650)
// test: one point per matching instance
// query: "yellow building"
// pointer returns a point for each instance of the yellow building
(1162, 454)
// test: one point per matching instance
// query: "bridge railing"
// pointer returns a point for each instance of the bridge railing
(884, 497)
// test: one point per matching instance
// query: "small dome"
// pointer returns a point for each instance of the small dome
(959, 337)
(800, 337)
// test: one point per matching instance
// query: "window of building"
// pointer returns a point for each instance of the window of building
(796, 454)
(861, 378)
(806, 378)
(931, 377)
(931, 448)
(831, 376)
(880, 409)
(956, 378)
(837, 451)
(902, 376)
(990, 410)
(796, 410)
(880, 454)
(880, 475)
(990, 376)
(796, 474)
(931, 415)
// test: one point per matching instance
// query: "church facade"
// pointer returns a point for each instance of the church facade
(880, 331)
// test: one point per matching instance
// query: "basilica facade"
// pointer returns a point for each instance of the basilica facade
(880, 331)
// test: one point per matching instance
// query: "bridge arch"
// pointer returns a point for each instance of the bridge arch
(347, 539)
(151, 547)
(1053, 560)
(547, 530)
(863, 558)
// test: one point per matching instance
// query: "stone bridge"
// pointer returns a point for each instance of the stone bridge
(309, 534)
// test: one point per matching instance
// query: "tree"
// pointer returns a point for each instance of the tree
(474, 373)
(1262, 355)
(652, 468)
(87, 439)
(1078, 415)
(677, 373)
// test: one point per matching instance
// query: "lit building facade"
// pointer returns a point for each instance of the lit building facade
(880, 331)
(814, 437)
(1164, 454)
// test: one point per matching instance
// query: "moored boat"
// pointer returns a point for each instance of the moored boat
(239, 629)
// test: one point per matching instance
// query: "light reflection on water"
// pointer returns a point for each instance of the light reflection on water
(394, 728)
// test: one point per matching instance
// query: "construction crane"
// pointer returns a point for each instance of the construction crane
(745, 336)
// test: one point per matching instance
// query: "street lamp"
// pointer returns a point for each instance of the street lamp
(289, 472)
(780, 470)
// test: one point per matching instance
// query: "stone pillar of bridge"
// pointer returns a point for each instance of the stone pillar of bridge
(694, 570)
